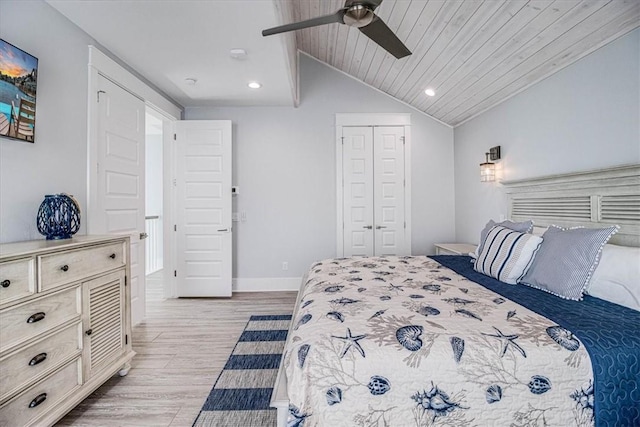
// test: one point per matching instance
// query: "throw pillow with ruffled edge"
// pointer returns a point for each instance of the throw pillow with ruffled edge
(522, 227)
(506, 254)
(567, 259)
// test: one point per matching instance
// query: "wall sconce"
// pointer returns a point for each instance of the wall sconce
(488, 169)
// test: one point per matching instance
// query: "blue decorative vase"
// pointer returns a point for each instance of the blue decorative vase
(58, 217)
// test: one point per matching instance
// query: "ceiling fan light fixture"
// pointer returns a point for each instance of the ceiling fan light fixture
(430, 92)
(254, 85)
(358, 16)
(355, 13)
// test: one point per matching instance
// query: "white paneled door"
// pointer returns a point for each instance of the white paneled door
(373, 190)
(203, 208)
(389, 190)
(357, 163)
(120, 179)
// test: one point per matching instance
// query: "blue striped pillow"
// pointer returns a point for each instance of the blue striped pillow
(567, 259)
(506, 254)
(523, 227)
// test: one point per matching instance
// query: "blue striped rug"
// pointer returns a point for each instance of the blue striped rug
(241, 394)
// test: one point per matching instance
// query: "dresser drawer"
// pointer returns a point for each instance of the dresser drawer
(25, 321)
(17, 279)
(25, 409)
(59, 269)
(27, 365)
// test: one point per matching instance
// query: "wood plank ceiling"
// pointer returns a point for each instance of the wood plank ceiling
(474, 54)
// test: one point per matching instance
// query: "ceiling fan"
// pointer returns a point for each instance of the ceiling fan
(359, 14)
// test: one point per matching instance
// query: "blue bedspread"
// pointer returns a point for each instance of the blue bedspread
(610, 333)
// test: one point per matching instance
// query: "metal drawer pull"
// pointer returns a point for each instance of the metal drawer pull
(36, 317)
(38, 400)
(112, 256)
(5, 283)
(38, 358)
(64, 268)
(378, 227)
(89, 332)
(368, 227)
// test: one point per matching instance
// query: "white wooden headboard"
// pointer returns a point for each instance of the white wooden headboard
(597, 198)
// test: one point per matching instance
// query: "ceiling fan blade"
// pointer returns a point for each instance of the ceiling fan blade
(321, 20)
(381, 34)
(372, 3)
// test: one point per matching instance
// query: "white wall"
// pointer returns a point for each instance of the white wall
(56, 162)
(584, 117)
(284, 164)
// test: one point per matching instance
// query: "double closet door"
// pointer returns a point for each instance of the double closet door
(374, 192)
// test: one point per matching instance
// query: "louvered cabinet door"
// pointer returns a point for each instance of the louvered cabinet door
(104, 320)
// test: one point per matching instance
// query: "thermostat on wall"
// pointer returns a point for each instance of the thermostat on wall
(235, 190)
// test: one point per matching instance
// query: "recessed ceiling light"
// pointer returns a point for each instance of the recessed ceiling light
(238, 53)
(430, 92)
(191, 81)
(254, 85)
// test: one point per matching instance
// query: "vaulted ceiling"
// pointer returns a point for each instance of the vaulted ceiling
(473, 54)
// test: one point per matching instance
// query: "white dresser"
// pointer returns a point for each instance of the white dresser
(65, 324)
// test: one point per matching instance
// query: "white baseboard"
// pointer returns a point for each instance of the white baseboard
(266, 284)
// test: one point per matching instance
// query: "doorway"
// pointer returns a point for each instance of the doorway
(154, 215)
(117, 103)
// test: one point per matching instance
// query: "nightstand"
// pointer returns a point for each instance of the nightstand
(454, 248)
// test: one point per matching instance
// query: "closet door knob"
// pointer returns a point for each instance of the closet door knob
(5, 283)
(89, 332)
(368, 227)
(64, 268)
(112, 256)
(378, 227)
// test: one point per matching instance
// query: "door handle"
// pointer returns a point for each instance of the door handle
(143, 236)
(378, 227)
(223, 230)
(368, 227)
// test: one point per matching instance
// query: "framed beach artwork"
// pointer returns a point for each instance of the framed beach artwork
(18, 76)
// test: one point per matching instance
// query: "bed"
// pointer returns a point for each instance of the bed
(421, 341)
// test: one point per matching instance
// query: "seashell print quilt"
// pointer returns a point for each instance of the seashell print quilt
(405, 341)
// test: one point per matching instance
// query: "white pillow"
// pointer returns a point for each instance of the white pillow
(506, 254)
(617, 278)
(538, 230)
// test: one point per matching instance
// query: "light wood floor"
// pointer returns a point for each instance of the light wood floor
(182, 346)
(154, 290)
